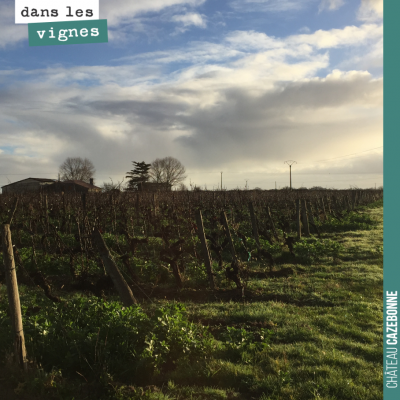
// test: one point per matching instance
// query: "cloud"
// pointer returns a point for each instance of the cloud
(120, 11)
(370, 10)
(10, 34)
(117, 13)
(330, 5)
(190, 19)
(321, 39)
(269, 5)
(367, 59)
(251, 100)
(368, 163)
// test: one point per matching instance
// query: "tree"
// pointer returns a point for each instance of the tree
(77, 168)
(118, 186)
(167, 170)
(139, 174)
(182, 187)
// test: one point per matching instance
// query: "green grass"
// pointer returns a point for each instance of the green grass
(316, 334)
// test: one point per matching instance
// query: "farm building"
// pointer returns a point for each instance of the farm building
(154, 187)
(27, 185)
(73, 186)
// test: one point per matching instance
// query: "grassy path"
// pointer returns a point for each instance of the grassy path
(329, 348)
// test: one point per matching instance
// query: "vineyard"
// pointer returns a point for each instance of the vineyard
(168, 257)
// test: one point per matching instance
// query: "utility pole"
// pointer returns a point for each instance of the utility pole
(221, 180)
(246, 183)
(290, 163)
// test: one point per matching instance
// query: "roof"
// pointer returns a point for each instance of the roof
(35, 179)
(82, 183)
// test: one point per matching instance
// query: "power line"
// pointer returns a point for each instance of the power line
(277, 173)
(334, 158)
(229, 172)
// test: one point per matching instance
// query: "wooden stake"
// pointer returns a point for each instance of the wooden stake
(254, 225)
(13, 298)
(228, 235)
(323, 208)
(298, 218)
(206, 253)
(305, 217)
(122, 287)
(232, 272)
(272, 222)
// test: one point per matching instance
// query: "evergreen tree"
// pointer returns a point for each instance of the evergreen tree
(138, 175)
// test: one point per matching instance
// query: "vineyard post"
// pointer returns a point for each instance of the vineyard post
(305, 217)
(310, 213)
(13, 210)
(355, 199)
(254, 225)
(228, 235)
(63, 227)
(317, 210)
(13, 298)
(137, 207)
(46, 210)
(352, 203)
(347, 202)
(83, 198)
(206, 253)
(323, 207)
(233, 272)
(335, 204)
(122, 287)
(271, 222)
(328, 204)
(298, 220)
(155, 204)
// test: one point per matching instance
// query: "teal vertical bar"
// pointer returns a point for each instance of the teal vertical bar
(391, 237)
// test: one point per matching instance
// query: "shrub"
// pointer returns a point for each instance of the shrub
(313, 249)
(97, 339)
(350, 222)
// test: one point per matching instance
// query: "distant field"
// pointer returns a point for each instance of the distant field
(305, 322)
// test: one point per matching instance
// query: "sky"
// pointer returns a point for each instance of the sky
(235, 86)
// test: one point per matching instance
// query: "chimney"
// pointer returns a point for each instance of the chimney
(91, 181)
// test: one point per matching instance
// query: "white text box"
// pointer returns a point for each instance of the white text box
(31, 11)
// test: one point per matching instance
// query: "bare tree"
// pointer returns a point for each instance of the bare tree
(117, 186)
(77, 168)
(167, 170)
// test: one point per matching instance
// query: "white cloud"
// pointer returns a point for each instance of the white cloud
(330, 5)
(270, 5)
(348, 36)
(116, 12)
(306, 43)
(367, 59)
(244, 100)
(190, 19)
(10, 33)
(120, 11)
(371, 10)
